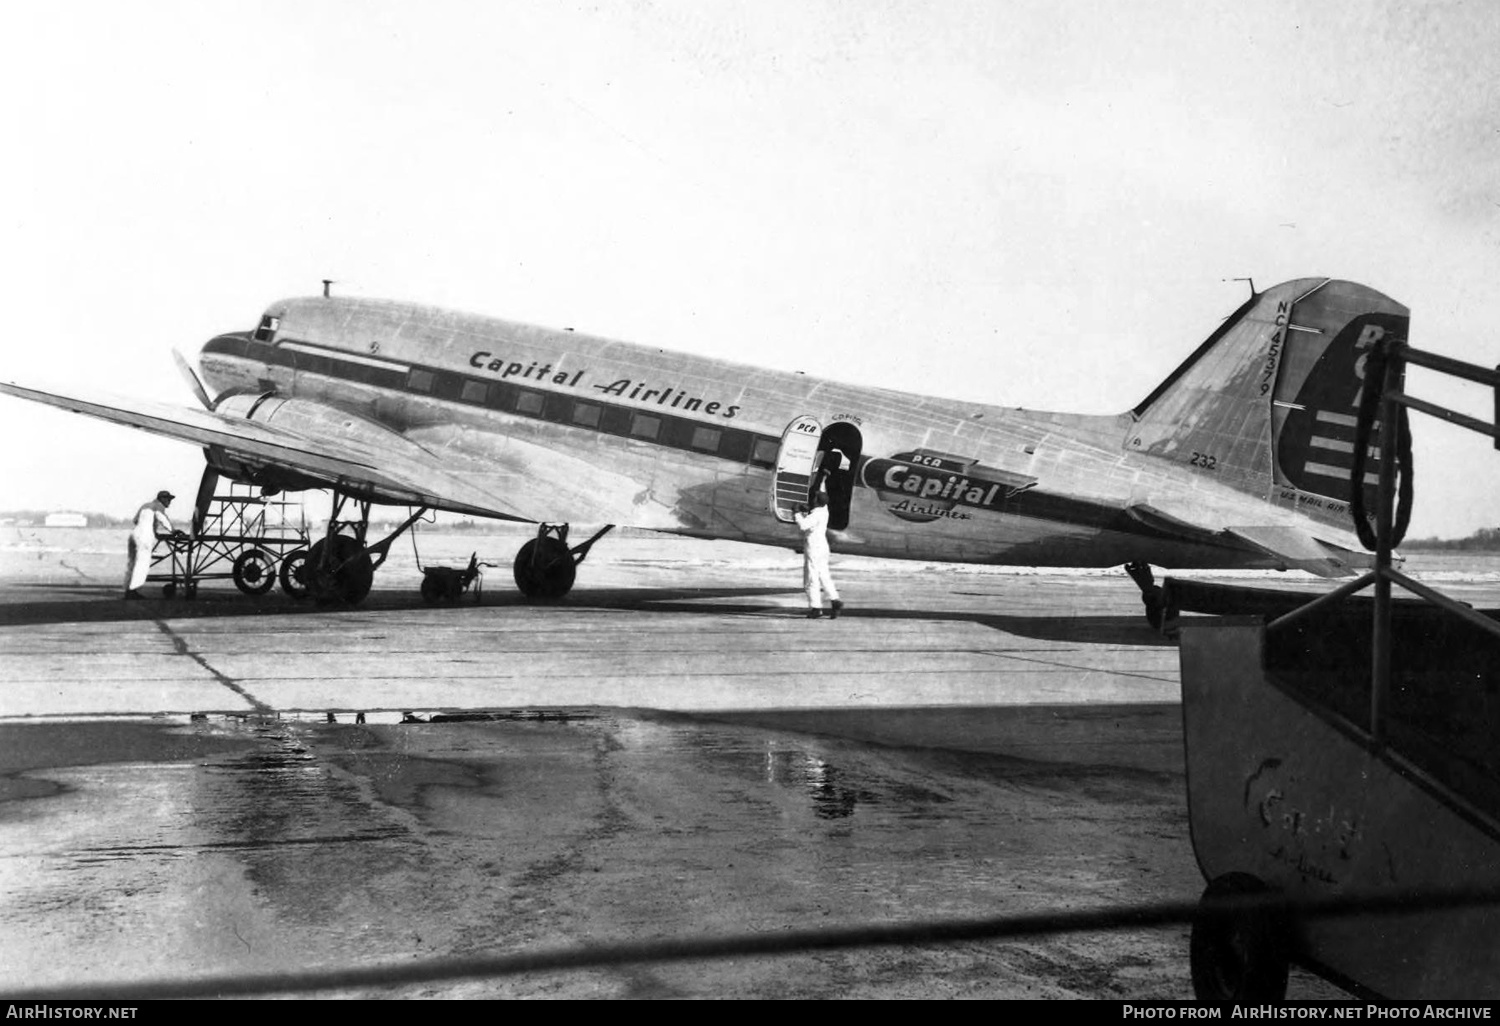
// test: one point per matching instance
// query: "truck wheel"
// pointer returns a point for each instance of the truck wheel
(1238, 954)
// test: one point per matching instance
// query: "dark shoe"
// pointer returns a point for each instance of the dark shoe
(813, 614)
(133, 595)
(834, 613)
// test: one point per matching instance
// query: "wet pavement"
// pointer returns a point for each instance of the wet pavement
(645, 760)
(264, 846)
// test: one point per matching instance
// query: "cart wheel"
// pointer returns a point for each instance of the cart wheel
(168, 590)
(1238, 954)
(254, 572)
(294, 573)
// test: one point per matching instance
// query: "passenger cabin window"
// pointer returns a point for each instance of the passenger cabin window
(475, 391)
(419, 380)
(586, 414)
(706, 439)
(642, 426)
(530, 403)
(267, 328)
(765, 452)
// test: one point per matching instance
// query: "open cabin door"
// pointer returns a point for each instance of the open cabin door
(795, 461)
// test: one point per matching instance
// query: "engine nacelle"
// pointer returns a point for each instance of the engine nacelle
(312, 419)
(352, 435)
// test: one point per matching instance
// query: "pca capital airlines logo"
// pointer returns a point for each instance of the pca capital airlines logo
(922, 486)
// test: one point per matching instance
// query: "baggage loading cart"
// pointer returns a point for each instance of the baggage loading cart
(1343, 767)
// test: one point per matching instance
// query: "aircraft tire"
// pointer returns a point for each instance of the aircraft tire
(1155, 602)
(1238, 954)
(350, 583)
(294, 573)
(254, 572)
(545, 570)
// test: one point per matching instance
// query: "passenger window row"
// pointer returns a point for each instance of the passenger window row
(512, 397)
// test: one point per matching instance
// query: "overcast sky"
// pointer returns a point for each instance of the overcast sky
(1039, 204)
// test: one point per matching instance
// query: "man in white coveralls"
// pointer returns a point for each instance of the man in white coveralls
(143, 537)
(813, 523)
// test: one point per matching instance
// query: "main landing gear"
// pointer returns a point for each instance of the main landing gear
(339, 568)
(545, 567)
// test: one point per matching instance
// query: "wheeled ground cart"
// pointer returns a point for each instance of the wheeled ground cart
(241, 536)
(1343, 768)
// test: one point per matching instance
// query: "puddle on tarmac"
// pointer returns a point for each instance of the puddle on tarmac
(832, 781)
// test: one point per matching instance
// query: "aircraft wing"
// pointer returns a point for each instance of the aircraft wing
(394, 470)
(1291, 543)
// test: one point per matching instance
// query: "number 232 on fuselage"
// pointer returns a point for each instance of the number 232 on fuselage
(1240, 458)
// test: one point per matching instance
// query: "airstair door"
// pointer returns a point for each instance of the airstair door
(795, 461)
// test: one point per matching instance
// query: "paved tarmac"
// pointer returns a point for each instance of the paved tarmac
(672, 751)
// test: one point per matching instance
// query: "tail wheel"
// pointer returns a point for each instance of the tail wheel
(254, 572)
(342, 574)
(1154, 599)
(545, 569)
(1238, 954)
(294, 573)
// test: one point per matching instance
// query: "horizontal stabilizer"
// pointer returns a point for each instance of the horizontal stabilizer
(1167, 524)
(1289, 544)
(1298, 549)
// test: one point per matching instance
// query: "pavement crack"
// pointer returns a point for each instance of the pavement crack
(77, 570)
(1087, 669)
(229, 682)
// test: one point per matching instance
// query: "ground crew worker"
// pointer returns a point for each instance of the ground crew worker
(812, 521)
(151, 516)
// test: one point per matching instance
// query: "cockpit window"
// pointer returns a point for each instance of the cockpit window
(268, 326)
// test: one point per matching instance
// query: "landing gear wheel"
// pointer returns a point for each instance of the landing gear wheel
(254, 572)
(1156, 607)
(342, 575)
(1238, 954)
(545, 569)
(294, 573)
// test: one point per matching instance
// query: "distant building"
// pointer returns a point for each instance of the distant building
(66, 520)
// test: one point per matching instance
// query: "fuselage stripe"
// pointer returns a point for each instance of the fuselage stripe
(529, 401)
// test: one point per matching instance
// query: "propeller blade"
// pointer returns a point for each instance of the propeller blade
(192, 379)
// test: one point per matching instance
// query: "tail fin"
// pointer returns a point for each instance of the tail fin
(1267, 404)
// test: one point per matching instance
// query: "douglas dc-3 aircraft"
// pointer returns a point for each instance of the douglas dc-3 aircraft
(1240, 458)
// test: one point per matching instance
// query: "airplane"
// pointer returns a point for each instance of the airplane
(1240, 458)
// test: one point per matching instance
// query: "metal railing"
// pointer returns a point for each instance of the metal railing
(1386, 370)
